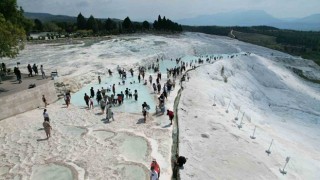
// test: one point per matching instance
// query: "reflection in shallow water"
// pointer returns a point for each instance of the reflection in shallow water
(133, 148)
(103, 135)
(132, 172)
(51, 172)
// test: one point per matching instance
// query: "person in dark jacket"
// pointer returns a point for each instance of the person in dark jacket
(86, 99)
(92, 92)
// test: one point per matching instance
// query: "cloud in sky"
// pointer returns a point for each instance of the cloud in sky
(174, 9)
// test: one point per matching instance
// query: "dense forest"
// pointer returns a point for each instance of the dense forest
(301, 43)
(94, 27)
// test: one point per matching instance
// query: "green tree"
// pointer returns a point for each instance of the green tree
(12, 28)
(120, 28)
(92, 24)
(146, 25)
(164, 24)
(100, 25)
(110, 25)
(156, 25)
(127, 25)
(81, 22)
(38, 25)
(68, 27)
(159, 25)
(51, 27)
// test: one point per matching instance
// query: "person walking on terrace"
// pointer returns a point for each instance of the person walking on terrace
(171, 115)
(42, 72)
(29, 70)
(45, 115)
(47, 128)
(44, 100)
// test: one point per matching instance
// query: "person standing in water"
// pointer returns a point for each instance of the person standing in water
(92, 92)
(126, 92)
(131, 72)
(47, 127)
(86, 99)
(154, 87)
(91, 102)
(99, 79)
(102, 105)
(150, 79)
(114, 89)
(135, 95)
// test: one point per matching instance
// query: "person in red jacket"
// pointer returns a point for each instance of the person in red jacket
(171, 115)
(156, 166)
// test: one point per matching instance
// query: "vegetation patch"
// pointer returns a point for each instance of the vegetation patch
(299, 43)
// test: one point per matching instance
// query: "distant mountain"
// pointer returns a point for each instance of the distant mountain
(254, 18)
(45, 17)
(315, 18)
(247, 18)
(311, 22)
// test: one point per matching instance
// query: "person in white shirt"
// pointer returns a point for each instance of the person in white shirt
(153, 174)
(45, 115)
(42, 72)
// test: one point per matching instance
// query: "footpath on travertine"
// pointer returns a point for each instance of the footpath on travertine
(9, 84)
(18, 98)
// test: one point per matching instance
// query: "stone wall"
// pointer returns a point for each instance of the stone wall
(27, 100)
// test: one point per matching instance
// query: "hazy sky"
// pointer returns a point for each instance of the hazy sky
(173, 9)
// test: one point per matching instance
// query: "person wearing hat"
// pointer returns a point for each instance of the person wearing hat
(155, 166)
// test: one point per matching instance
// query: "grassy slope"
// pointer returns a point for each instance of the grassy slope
(258, 39)
(270, 42)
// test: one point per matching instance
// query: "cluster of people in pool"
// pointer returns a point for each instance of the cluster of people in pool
(106, 102)
(108, 97)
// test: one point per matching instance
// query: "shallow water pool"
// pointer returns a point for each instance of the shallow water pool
(51, 172)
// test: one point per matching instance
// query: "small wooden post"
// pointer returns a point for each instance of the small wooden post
(252, 137)
(268, 151)
(282, 170)
(228, 106)
(214, 101)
